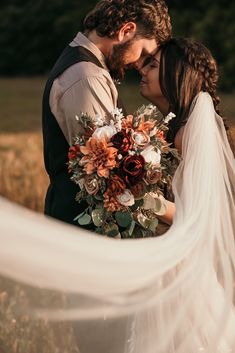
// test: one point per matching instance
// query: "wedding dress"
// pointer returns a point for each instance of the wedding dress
(169, 294)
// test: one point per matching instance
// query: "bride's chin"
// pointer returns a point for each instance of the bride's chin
(146, 96)
(143, 93)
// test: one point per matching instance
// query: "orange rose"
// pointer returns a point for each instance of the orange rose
(116, 185)
(111, 203)
(146, 126)
(127, 123)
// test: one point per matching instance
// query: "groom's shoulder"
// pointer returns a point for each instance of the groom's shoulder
(82, 72)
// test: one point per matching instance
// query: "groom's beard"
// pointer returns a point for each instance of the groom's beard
(116, 61)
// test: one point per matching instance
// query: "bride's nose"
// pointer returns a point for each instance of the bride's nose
(143, 70)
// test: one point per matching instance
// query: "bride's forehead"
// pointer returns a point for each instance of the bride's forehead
(158, 54)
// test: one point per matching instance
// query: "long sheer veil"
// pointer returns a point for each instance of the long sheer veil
(170, 294)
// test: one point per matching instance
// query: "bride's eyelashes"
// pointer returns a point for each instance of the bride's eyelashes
(154, 63)
(147, 61)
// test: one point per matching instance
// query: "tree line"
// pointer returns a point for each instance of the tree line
(33, 33)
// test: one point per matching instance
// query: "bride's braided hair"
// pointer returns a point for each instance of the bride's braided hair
(186, 68)
(151, 17)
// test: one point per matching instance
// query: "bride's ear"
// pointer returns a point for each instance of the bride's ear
(127, 32)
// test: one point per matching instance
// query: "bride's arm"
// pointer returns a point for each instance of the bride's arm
(170, 206)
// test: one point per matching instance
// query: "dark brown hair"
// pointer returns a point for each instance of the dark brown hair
(186, 68)
(151, 17)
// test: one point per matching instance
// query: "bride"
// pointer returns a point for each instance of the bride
(170, 294)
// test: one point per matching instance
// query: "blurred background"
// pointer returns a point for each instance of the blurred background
(33, 34)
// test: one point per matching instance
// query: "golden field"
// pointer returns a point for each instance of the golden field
(23, 178)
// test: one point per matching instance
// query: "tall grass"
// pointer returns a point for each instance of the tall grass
(22, 175)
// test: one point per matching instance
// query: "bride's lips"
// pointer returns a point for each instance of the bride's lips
(143, 82)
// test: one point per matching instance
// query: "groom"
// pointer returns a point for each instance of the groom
(117, 33)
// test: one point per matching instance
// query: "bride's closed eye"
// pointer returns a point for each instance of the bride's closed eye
(147, 61)
(154, 63)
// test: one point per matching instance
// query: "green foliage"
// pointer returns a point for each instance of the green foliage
(123, 219)
(33, 33)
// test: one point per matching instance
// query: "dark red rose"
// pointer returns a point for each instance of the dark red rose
(131, 169)
(122, 141)
(73, 151)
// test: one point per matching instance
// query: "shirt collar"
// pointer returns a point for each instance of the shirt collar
(83, 41)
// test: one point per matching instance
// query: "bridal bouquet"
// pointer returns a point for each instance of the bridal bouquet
(122, 168)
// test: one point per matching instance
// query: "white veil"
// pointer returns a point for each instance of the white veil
(170, 294)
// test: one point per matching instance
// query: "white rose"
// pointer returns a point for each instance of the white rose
(104, 132)
(151, 156)
(126, 199)
(99, 120)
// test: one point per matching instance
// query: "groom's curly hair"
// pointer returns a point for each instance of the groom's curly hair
(192, 69)
(151, 17)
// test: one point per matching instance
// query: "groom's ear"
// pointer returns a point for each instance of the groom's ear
(127, 32)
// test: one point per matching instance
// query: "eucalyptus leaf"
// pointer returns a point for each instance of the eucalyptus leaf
(111, 230)
(143, 220)
(138, 203)
(99, 197)
(153, 225)
(125, 234)
(146, 233)
(97, 217)
(79, 216)
(131, 228)
(123, 219)
(138, 232)
(89, 200)
(84, 220)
